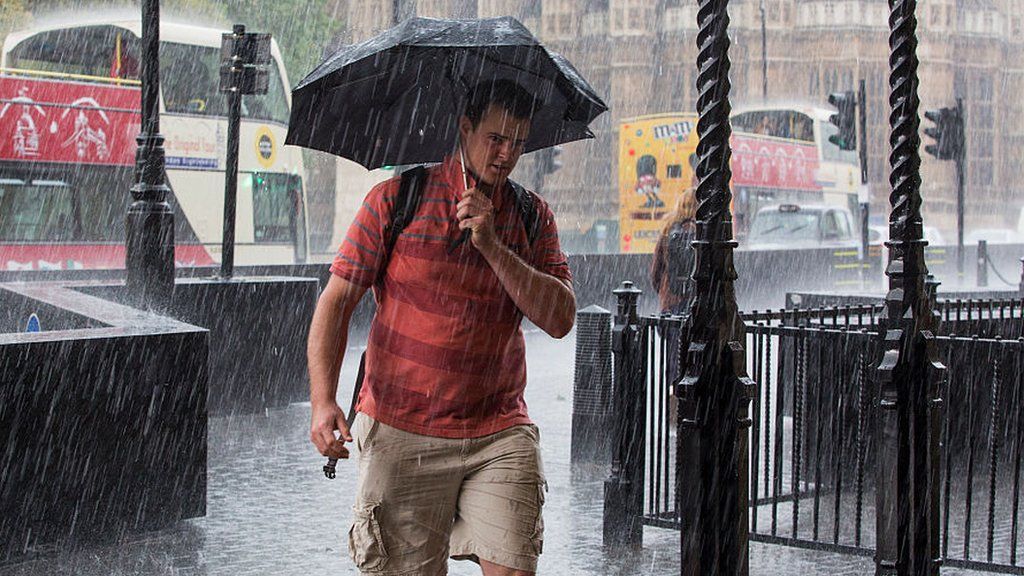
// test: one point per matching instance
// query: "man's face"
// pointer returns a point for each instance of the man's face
(493, 148)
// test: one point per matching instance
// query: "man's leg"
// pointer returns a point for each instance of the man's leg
(405, 501)
(498, 521)
(492, 569)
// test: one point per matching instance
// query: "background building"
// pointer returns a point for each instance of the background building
(640, 55)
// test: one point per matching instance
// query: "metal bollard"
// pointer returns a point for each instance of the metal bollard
(592, 414)
(624, 489)
(982, 263)
(931, 288)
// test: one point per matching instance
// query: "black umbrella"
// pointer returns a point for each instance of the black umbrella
(395, 99)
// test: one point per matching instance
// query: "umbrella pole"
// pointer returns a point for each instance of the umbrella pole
(462, 157)
(465, 183)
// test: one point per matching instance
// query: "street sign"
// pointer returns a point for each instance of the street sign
(244, 57)
(247, 79)
(252, 48)
(243, 60)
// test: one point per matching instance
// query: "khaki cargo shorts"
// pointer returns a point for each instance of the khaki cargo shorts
(421, 499)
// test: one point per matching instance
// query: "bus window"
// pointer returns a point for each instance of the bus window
(103, 196)
(274, 207)
(37, 211)
(270, 106)
(106, 51)
(788, 124)
(190, 81)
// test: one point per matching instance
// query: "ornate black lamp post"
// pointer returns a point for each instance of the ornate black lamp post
(714, 393)
(907, 491)
(149, 246)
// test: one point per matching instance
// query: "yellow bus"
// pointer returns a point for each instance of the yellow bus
(654, 169)
(780, 155)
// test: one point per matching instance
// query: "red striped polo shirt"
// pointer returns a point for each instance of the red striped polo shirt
(446, 355)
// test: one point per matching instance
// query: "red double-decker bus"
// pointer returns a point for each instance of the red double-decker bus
(69, 115)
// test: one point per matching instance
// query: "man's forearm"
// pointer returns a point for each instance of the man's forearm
(547, 301)
(328, 336)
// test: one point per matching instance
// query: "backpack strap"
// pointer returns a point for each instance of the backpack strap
(407, 203)
(527, 211)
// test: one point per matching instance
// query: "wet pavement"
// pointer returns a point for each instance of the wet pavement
(272, 512)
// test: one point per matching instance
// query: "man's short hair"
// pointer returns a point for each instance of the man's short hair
(506, 94)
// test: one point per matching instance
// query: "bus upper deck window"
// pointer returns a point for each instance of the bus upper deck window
(101, 50)
(190, 81)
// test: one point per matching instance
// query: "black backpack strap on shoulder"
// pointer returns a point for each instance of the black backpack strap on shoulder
(407, 203)
(527, 211)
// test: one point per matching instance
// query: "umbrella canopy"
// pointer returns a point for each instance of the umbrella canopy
(395, 98)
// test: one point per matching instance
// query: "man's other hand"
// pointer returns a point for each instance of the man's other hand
(326, 419)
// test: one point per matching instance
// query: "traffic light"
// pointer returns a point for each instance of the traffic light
(556, 164)
(948, 133)
(844, 119)
(548, 160)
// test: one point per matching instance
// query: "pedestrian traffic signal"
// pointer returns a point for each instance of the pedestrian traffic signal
(948, 133)
(844, 119)
(548, 160)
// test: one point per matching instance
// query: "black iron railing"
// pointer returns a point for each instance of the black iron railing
(812, 439)
(1003, 317)
(660, 337)
(811, 436)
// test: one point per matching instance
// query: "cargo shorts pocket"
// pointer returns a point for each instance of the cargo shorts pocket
(538, 528)
(365, 542)
(366, 432)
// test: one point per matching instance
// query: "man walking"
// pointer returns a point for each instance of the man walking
(449, 460)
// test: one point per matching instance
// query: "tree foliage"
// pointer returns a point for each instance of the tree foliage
(303, 29)
(13, 15)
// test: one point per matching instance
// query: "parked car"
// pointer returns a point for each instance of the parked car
(794, 226)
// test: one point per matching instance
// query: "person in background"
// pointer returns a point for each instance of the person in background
(673, 259)
(671, 268)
